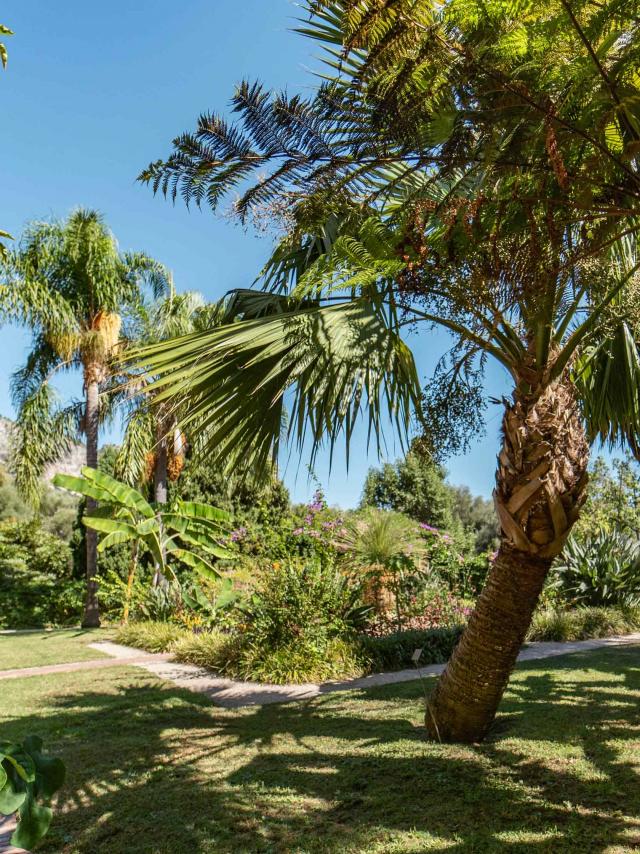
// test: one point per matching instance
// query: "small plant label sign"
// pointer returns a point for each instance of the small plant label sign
(416, 655)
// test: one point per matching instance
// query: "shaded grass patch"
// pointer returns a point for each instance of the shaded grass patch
(157, 769)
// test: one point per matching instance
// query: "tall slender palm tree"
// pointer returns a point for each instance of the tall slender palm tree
(68, 283)
(4, 31)
(457, 173)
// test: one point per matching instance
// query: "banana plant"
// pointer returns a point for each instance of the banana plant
(26, 776)
(182, 532)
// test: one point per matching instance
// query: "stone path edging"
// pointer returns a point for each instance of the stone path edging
(234, 694)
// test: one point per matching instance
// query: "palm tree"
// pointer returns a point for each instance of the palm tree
(153, 447)
(4, 31)
(382, 546)
(68, 282)
(425, 185)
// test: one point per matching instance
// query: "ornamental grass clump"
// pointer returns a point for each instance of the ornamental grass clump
(150, 636)
(583, 623)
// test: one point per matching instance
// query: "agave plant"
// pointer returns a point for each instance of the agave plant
(187, 532)
(452, 172)
(600, 570)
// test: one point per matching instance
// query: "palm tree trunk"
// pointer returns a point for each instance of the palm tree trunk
(160, 483)
(160, 472)
(540, 488)
(91, 618)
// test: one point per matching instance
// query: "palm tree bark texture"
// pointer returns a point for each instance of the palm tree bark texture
(540, 487)
(91, 618)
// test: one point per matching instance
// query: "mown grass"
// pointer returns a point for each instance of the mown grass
(36, 649)
(156, 769)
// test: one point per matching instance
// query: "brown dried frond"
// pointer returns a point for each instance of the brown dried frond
(108, 324)
(553, 150)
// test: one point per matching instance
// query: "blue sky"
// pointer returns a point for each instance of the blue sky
(95, 91)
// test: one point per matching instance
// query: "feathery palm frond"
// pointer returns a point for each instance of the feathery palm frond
(67, 282)
(608, 379)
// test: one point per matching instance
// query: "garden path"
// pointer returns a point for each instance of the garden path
(233, 694)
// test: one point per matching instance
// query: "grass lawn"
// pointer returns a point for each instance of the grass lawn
(35, 649)
(153, 768)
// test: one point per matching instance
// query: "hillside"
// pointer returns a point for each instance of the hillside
(70, 463)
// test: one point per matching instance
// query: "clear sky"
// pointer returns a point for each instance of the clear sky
(94, 92)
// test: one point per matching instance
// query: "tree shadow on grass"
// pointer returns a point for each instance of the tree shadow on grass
(158, 769)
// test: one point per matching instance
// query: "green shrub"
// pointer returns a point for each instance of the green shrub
(601, 570)
(37, 585)
(297, 625)
(211, 649)
(583, 624)
(152, 637)
(394, 652)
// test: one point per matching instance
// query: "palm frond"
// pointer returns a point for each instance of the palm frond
(330, 364)
(42, 434)
(608, 378)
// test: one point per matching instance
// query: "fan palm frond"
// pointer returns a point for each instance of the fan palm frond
(331, 364)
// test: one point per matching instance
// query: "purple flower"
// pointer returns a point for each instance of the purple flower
(308, 519)
(429, 528)
(238, 534)
(298, 531)
(317, 504)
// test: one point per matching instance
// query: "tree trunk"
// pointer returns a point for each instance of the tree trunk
(160, 474)
(91, 618)
(540, 488)
(160, 484)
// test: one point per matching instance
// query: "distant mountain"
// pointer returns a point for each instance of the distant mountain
(70, 463)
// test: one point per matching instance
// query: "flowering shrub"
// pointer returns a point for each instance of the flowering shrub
(432, 608)
(296, 625)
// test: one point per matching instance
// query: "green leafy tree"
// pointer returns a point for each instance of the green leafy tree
(469, 166)
(414, 486)
(477, 516)
(613, 504)
(68, 283)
